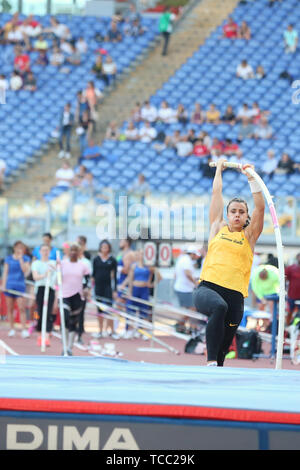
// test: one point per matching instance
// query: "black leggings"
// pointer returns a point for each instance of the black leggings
(72, 309)
(40, 303)
(225, 309)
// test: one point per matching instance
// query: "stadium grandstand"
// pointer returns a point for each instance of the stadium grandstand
(114, 116)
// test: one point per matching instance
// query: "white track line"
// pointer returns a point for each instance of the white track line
(8, 349)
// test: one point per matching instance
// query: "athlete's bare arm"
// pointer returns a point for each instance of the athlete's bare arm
(256, 225)
(216, 209)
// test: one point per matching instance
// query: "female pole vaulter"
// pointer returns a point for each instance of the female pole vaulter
(226, 271)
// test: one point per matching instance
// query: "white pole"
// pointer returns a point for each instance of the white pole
(279, 246)
(61, 304)
(45, 313)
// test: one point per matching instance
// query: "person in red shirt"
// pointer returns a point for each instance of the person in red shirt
(217, 145)
(230, 29)
(230, 147)
(292, 274)
(200, 150)
(21, 62)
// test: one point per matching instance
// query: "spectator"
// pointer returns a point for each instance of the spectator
(135, 113)
(285, 166)
(191, 135)
(181, 114)
(46, 240)
(93, 95)
(15, 36)
(41, 45)
(2, 174)
(213, 115)
(81, 45)
(97, 68)
(109, 71)
(184, 147)
(244, 112)
(166, 114)
(21, 61)
(217, 145)
(56, 57)
(65, 47)
(16, 81)
(185, 278)
(198, 116)
(147, 133)
(244, 31)
(230, 29)
(140, 187)
(290, 37)
(81, 106)
(263, 130)
(84, 131)
(172, 140)
(16, 269)
(65, 175)
(80, 173)
(4, 85)
(148, 112)
(30, 27)
(66, 123)
(207, 170)
(59, 30)
(244, 70)
(230, 148)
(74, 58)
(113, 34)
(292, 274)
(112, 132)
(238, 158)
(136, 29)
(166, 27)
(246, 130)
(42, 59)
(131, 133)
(260, 72)
(88, 184)
(255, 113)
(229, 116)
(264, 282)
(270, 165)
(30, 82)
(200, 150)
(206, 139)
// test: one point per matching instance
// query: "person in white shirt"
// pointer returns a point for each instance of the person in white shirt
(65, 175)
(3, 83)
(148, 112)
(61, 31)
(131, 133)
(166, 114)
(16, 81)
(81, 45)
(147, 133)
(244, 70)
(57, 57)
(66, 47)
(184, 147)
(15, 35)
(185, 277)
(109, 70)
(244, 112)
(270, 165)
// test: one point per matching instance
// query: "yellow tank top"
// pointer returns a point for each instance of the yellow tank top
(228, 261)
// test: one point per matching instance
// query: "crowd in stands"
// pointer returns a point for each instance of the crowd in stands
(56, 46)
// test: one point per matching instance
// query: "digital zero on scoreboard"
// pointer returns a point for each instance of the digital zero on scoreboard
(150, 253)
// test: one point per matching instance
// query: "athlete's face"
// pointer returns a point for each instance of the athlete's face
(237, 215)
